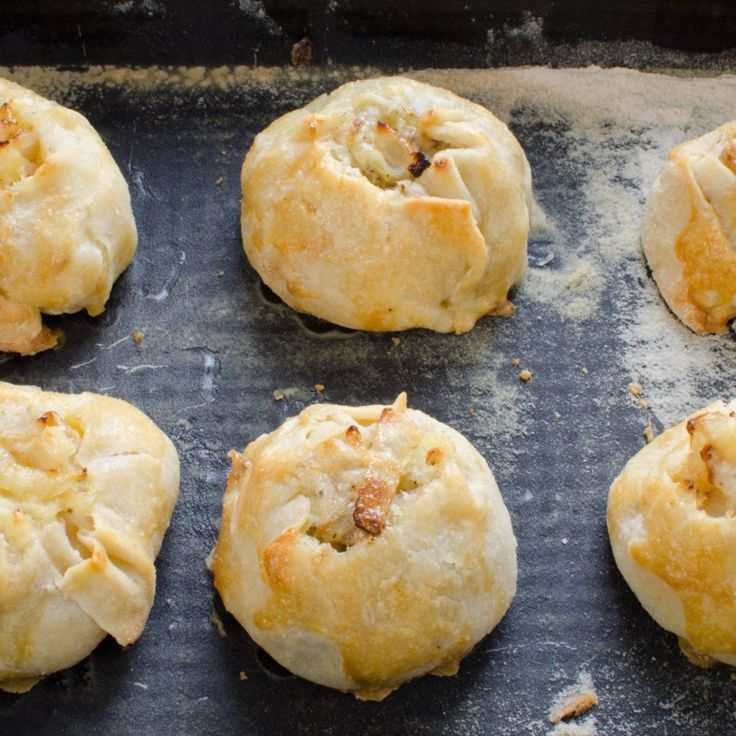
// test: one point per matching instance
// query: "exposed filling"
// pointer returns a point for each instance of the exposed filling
(376, 465)
(710, 473)
(20, 150)
(389, 148)
(41, 483)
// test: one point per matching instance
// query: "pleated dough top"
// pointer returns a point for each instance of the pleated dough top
(689, 231)
(66, 224)
(87, 487)
(389, 204)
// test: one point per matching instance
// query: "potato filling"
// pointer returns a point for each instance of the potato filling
(20, 150)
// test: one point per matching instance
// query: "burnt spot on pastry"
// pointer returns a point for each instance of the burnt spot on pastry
(50, 419)
(418, 165)
(353, 435)
(434, 456)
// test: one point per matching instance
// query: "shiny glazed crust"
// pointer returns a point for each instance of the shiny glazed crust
(87, 487)
(363, 546)
(388, 204)
(689, 231)
(672, 525)
(66, 224)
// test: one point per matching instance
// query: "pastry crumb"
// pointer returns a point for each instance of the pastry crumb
(634, 389)
(558, 416)
(220, 273)
(525, 375)
(278, 395)
(584, 371)
(396, 340)
(578, 705)
(242, 676)
(301, 52)
(643, 404)
(138, 337)
(564, 540)
(516, 362)
(648, 434)
(219, 181)
(319, 387)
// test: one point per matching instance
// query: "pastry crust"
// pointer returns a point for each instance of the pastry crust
(689, 231)
(66, 224)
(672, 525)
(389, 204)
(87, 487)
(363, 546)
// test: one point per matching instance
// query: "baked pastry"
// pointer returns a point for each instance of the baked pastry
(87, 487)
(672, 524)
(388, 204)
(66, 225)
(363, 546)
(689, 232)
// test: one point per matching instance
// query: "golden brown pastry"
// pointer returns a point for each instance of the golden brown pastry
(363, 546)
(87, 487)
(689, 232)
(672, 524)
(66, 225)
(388, 204)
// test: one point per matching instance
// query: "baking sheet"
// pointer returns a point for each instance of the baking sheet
(216, 347)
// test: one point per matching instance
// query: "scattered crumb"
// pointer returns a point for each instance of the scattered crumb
(219, 181)
(396, 340)
(697, 658)
(580, 704)
(141, 685)
(471, 411)
(278, 395)
(216, 621)
(220, 273)
(584, 371)
(301, 52)
(574, 701)
(564, 540)
(733, 677)
(634, 389)
(643, 404)
(525, 375)
(558, 416)
(138, 337)
(242, 676)
(648, 433)
(516, 362)
(319, 387)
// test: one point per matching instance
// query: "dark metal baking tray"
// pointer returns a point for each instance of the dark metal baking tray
(216, 347)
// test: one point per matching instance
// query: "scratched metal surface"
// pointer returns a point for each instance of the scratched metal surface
(214, 351)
